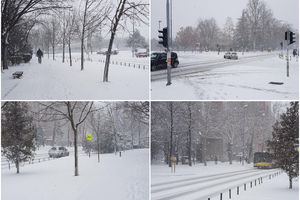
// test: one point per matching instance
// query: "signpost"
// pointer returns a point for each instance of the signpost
(173, 163)
(88, 137)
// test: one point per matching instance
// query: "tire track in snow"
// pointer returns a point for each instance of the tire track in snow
(187, 191)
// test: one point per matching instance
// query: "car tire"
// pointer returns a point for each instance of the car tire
(175, 65)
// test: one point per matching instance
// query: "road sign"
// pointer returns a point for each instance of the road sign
(88, 136)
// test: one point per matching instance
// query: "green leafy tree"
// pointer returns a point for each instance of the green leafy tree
(18, 133)
(284, 143)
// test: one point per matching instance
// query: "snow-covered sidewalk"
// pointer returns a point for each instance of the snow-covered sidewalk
(54, 80)
(114, 178)
(245, 81)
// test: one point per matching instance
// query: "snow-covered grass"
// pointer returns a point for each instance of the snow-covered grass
(56, 80)
(115, 178)
(274, 189)
(247, 81)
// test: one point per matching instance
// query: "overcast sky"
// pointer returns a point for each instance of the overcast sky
(188, 12)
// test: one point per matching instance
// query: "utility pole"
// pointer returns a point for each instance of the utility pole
(169, 28)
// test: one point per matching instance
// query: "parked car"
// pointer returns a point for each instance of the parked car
(227, 55)
(58, 152)
(105, 52)
(159, 60)
(234, 56)
(231, 55)
(141, 54)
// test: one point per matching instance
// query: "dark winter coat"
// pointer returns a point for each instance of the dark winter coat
(39, 53)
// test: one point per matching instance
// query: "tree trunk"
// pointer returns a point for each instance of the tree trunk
(291, 182)
(48, 50)
(4, 52)
(75, 153)
(204, 151)
(63, 58)
(139, 134)
(81, 52)
(190, 135)
(83, 34)
(18, 166)
(171, 135)
(115, 22)
(70, 53)
(53, 41)
(107, 60)
(98, 143)
(54, 134)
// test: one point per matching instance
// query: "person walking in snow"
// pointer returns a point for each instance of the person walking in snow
(39, 54)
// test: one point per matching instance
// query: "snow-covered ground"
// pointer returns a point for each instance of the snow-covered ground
(115, 178)
(56, 80)
(203, 182)
(241, 81)
(275, 189)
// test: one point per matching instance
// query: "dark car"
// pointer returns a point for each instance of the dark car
(159, 61)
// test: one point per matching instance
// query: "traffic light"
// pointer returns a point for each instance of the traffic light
(164, 37)
(292, 37)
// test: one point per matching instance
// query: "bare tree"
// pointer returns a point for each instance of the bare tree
(74, 112)
(94, 14)
(12, 12)
(124, 9)
(95, 124)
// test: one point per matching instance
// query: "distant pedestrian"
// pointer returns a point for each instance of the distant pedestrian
(216, 159)
(120, 153)
(39, 54)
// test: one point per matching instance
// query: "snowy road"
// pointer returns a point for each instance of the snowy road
(114, 178)
(192, 187)
(191, 67)
(245, 79)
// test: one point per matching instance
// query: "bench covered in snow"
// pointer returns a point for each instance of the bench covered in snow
(17, 74)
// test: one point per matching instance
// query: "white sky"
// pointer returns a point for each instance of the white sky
(188, 12)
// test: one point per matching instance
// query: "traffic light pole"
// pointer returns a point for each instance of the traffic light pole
(169, 24)
(287, 61)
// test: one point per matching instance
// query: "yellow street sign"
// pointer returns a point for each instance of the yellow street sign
(88, 136)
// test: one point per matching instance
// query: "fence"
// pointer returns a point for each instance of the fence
(247, 185)
(115, 62)
(38, 159)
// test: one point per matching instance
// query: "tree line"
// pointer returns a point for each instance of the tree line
(255, 29)
(185, 129)
(52, 22)
(114, 127)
